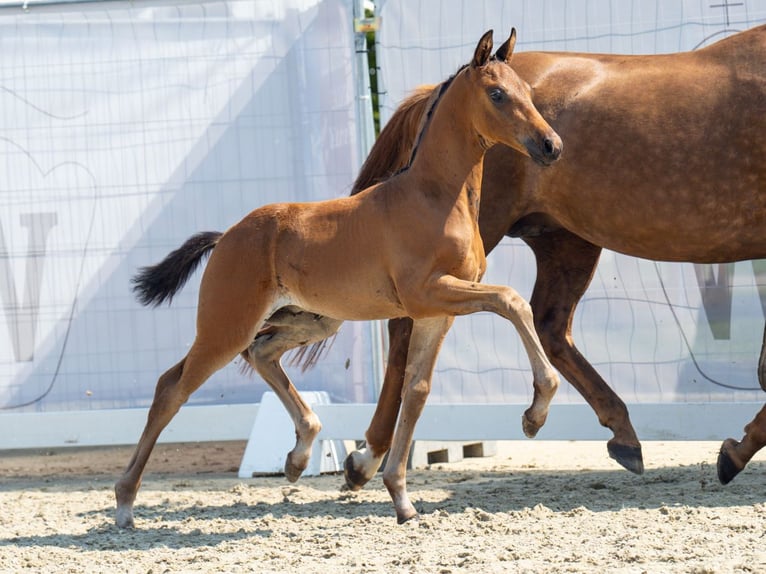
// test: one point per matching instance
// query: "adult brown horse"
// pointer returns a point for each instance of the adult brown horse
(665, 160)
(289, 274)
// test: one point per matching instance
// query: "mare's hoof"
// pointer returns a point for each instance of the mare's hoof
(355, 480)
(727, 468)
(629, 457)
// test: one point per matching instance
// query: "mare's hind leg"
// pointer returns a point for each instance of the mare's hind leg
(762, 363)
(173, 389)
(288, 329)
(734, 455)
(565, 266)
(361, 465)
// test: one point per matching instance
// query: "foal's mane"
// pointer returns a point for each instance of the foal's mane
(412, 116)
(425, 120)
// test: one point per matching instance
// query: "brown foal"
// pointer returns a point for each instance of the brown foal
(289, 274)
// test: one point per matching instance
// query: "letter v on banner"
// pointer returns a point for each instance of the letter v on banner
(759, 271)
(22, 318)
(716, 297)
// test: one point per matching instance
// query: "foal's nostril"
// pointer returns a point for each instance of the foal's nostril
(548, 146)
(552, 148)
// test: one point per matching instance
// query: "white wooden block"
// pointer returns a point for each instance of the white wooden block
(273, 436)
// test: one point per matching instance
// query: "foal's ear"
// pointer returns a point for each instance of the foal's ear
(505, 51)
(483, 50)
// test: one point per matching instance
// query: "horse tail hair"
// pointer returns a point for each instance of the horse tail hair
(391, 151)
(155, 284)
(307, 356)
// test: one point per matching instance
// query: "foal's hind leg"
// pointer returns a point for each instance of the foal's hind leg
(734, 455)
(288, 330)
(173, 390)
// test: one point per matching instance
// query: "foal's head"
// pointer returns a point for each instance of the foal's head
(501, 104)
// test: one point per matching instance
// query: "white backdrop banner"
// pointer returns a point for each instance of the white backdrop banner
(657, 332)
(125, 127)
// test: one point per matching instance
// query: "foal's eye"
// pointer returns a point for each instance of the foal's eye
(497, 95)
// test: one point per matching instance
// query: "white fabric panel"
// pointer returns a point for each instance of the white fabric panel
(125, 128)
(642, 324)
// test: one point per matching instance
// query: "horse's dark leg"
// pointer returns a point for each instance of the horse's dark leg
(565, 266)
(762, 363)
(734, 455)
(361, 465)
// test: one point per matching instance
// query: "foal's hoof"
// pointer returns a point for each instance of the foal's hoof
(355, 479)
(404, 518)
(124, 518)
(292, 471)
(354, 473)
(530, 428)
(628, 456)
(727, 467)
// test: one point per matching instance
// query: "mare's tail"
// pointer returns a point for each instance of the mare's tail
(158, 283)
(391, 151)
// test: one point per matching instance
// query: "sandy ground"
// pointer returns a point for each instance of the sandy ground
(533, 507)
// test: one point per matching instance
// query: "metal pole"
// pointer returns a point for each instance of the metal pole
(365, 123)
(366, 138)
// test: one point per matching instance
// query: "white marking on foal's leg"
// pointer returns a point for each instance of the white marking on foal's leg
(360, 466)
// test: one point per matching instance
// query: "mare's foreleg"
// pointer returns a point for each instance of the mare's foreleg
(565, 266)
(361, 465)
(734, 455)
(425, 341)
(288, 329)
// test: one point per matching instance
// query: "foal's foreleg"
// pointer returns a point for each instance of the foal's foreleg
(460, 297)
(425, 342)
(361, 465)
(293, 329)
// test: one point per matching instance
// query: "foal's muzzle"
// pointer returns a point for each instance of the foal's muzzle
(546, 150)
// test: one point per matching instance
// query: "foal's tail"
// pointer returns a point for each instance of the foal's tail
(391, 151)
(157, 283)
